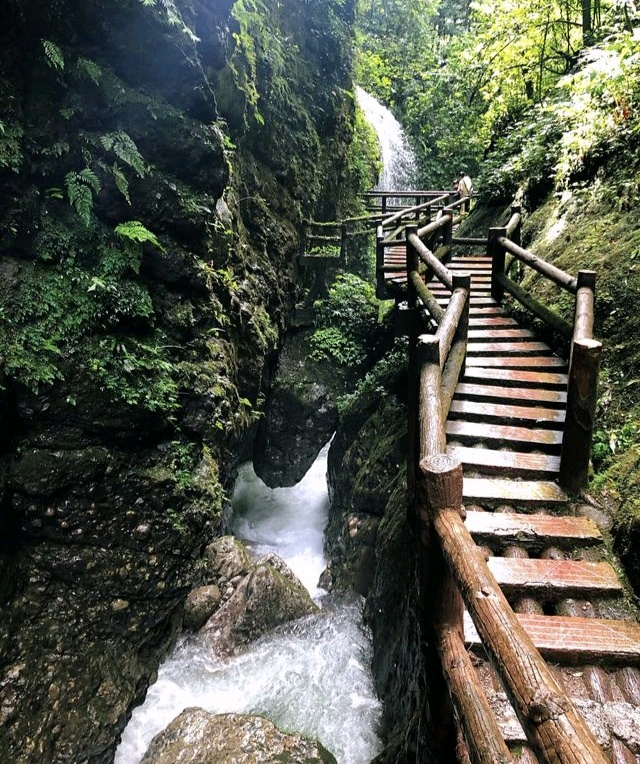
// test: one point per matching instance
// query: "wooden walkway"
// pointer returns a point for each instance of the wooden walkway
(545, 551)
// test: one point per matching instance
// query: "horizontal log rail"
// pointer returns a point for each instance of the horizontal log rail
(585, 352)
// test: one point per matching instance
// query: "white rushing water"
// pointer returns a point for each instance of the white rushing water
(398, 159)
(312, 675)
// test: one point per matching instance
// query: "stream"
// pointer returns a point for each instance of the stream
(312, 675)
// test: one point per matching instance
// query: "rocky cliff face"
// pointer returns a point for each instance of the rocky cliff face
(155, 163)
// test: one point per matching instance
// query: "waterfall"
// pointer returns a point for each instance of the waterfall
(398, 160)
(312, 675)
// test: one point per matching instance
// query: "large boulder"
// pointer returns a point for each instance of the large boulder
(198, 737)
(266, 597)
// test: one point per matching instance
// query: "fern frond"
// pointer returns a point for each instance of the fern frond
(136, 231)
(88, 176)
(81, 186)
(122, 184)
(125, 149)
(53, 54)
(90, 68)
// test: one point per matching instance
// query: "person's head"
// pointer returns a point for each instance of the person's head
(461, 174)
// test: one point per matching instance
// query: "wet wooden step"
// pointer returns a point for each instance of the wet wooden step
(508, 463)
(498, 392)
(554, 579)
(491, 310)
(525, 493)
(507, 348)
(500, 411)
(491, 321)
(516, 362)
(576, 641)
(530, 438)
(499, 333)
(532, 531)
(515, 377)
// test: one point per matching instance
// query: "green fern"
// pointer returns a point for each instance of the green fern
(81, 186)
(125, 149)
(53, 55)
(122, 184)
(90, 69)
(134, 230)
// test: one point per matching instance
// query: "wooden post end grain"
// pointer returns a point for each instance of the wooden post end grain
(442, 476)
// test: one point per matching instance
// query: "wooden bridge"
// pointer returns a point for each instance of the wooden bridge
(539, 654)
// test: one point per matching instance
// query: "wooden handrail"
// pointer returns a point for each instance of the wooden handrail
(442, 273)
(552, 725)
(557, 275)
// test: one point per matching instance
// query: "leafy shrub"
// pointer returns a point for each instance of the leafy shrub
(346, 322)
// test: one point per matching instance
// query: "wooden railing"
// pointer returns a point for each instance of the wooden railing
(454, 569)
(391, 230)
(585, 352)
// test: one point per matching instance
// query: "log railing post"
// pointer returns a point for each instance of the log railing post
(582, 398)
(516, 234)
(447, 231)
(383, 204)
(413, 391)
(463, 281)
(496, 253)
(585, 305)
(381, 291)
(343, 244)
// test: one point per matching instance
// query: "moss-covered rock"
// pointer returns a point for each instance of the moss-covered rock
(147, 264)
(198, 737)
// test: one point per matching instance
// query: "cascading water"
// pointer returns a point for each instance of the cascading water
(398, 159)
(311, 676)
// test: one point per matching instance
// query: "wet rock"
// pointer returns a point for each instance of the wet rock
(300, 415)
(226, 558)
(264, 599)
(198, 737)
(200, 604)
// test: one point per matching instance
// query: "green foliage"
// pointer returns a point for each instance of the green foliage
(11, 135)
(346, 322)
(135, 231)
(90, 69)
(125, 149)
(53, 55)
(81, 186)
(379, 380)
(135, 372)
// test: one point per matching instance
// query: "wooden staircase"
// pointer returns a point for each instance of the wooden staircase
(548, 556)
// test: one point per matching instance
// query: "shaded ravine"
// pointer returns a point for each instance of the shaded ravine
(312, 675)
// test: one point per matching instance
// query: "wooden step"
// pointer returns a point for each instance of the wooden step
(515, 377)
(532, 531)
(525, 493)
(498, 349)
(554, 579)
(516, 362)
(492, 321)
(508, 463)
(500, 411)
(497, 392)
(499, 333)
(480, 302)
(491, 310)
(529, 438)
(576, 641)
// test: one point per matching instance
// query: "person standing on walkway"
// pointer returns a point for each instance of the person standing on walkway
(465, 188)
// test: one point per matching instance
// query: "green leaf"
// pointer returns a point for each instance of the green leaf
(53, 55)
(134, 230)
